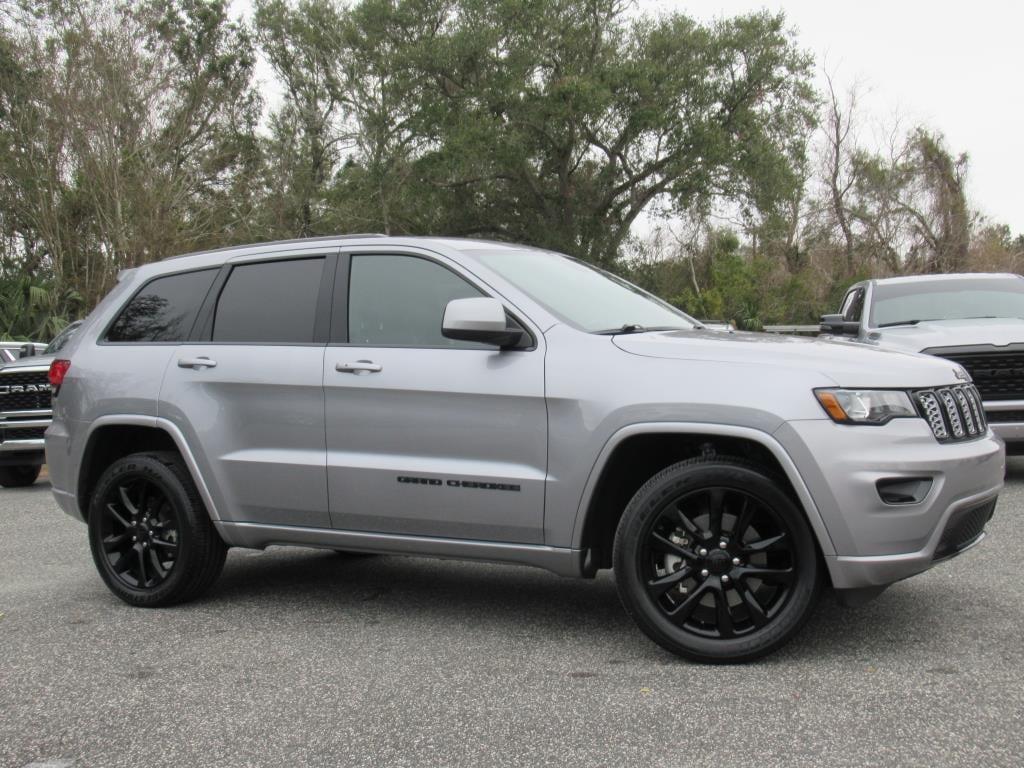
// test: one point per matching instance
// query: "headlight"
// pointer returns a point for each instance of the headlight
(865, 406)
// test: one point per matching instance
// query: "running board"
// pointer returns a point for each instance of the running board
(564, 562)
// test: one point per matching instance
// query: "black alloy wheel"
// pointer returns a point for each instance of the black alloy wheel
(151, 537)
(715, 562)
(139, 530)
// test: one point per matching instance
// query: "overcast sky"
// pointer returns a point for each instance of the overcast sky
(955, 66)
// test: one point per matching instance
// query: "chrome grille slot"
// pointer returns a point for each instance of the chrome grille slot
(953, 413)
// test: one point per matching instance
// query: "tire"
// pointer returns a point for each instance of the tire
(176, 553)
(767, 576)
(20, 476)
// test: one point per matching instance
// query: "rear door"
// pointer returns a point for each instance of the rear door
(426, 435)
(247, 390)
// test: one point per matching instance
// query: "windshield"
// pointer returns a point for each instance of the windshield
(919, 301)
(583, 296)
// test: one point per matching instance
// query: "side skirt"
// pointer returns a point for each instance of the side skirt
(564, 562)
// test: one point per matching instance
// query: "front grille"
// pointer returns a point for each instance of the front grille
(1004, 417)
(24, 391)
(31, 433)
(963, 528)
(997, 372)
(953, 413)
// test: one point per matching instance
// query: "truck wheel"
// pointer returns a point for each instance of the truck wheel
(714, 561)
(19, 477)
(151, 537)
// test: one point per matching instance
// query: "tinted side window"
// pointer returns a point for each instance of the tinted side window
(401, 300)
(271, 302)
(163, 310)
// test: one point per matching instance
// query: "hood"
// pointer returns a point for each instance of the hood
(36, 361)
(847, 363)
(950, 333)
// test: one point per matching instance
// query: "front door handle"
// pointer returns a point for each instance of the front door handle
(195, 363)
(359, 367)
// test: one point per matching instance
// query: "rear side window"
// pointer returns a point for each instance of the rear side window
(400, 300)
(164, 310)
(271, 302)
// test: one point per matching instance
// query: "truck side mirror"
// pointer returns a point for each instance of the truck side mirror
(836, 325)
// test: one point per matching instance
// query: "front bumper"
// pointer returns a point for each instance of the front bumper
(1006, 419)
(874, 543)
(21, 440)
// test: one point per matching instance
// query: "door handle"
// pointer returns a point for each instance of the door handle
(359, 367)
(196, 363)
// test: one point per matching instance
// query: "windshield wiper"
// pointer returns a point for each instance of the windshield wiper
(903, 322)
(629, 328)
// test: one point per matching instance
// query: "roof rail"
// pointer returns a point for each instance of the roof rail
(318, 239)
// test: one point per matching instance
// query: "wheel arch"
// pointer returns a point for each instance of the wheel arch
(636, 453)
(112, 437)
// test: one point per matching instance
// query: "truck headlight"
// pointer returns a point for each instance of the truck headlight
(865, 406)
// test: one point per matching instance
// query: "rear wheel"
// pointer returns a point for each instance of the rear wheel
(151, 537)
(19, 477)
(714, 562)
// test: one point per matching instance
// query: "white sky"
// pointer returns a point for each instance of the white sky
(954, 66)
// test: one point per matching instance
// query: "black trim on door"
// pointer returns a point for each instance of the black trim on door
(339, 305)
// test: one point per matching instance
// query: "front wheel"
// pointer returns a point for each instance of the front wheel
(714, 561)
(20, 476)
(151, 537)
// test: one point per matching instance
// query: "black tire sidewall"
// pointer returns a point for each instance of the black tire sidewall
(679, 480)
(176, 586)
(19, 476)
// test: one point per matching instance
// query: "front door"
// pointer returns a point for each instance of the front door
(426, 435)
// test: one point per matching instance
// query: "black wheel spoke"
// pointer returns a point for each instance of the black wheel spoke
(132, 509)
(771, 575)
(716, 505)
(664, 545)
(757, 615)
(764, 544)
(143, 577)
(165, 544)
(143, 498)
(114, 541)
(739, 527)
(117, 516)
(688, 524)
(682, 612)
(157, 566)
(125, 562)
(658, 587)
(723, 613)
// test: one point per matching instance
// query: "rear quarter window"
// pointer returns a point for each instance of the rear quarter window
(164, 310)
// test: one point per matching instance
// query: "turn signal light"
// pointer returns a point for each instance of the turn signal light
(58, 370)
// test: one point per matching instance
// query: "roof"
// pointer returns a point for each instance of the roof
(952, 276)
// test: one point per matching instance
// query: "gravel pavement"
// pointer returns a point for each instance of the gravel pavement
(302, 657)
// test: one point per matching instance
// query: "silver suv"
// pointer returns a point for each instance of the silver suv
(480, 400)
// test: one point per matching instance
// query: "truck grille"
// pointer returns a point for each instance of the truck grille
(953, 413)
(29, 433)
(24, 391)
(998, 373)
(963, 528)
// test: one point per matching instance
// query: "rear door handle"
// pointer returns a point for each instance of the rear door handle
(196, 363)
(359, 367)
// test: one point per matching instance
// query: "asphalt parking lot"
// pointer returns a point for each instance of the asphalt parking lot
(302, 657)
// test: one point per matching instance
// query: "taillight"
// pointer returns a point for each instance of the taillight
(58, 370)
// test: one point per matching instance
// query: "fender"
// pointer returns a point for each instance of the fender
(724, 430)
(155, 422)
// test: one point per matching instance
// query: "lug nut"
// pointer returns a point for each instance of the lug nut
(702, 552)
(725, 578)
(723, 544)
(704, 573)
(135, 538)
(735, 561)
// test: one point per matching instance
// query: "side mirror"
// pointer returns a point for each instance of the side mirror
(835, 324)
(482, 320)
